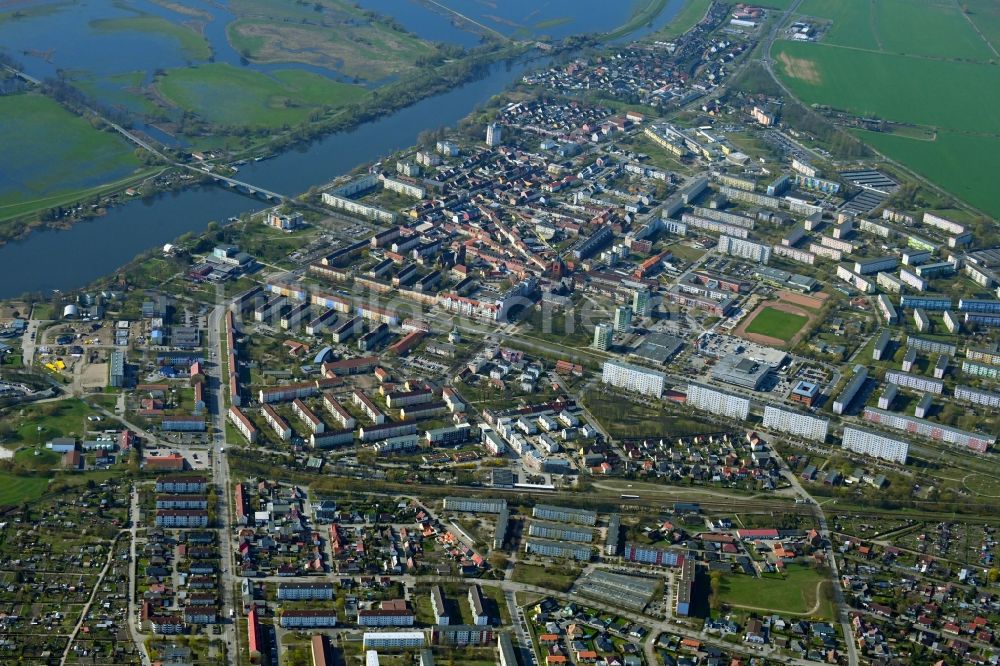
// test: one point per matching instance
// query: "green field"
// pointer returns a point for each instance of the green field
(985, 14)
(41, 422)
(686, 18)
(794, 593)
(876, 60)
(964, 164)
(193, 45)
(901, 28)
(45, 460)
(16, 489)
(119, 91)
(560, 579)
(626, 418)
(57, 154)
(225, 95)
(952, 95)
(780, 5)
(777, 324)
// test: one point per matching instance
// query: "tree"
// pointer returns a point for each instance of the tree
(498, 560)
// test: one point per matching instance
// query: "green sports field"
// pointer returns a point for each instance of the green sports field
(777, 324)
(919, 63)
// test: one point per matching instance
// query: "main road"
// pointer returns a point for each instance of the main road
(220, 475)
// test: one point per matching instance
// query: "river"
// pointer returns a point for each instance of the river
(70, 259)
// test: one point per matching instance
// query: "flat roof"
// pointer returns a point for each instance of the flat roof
(658, 347)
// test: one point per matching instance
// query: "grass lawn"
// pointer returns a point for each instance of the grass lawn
(45, 460)
(41, 422)
(193, 45)
(794, 593)
(557, 578)
(16, 489)
(57, 154)
(252, 98)
(777, 324)
(686, 252)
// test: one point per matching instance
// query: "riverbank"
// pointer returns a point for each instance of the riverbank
(62, 208)
(145, 222)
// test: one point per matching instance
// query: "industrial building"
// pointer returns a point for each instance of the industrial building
(741, 371)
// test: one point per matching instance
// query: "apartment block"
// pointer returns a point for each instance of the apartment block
(872, 444)
(633, 378)
(796, 423)
(717, 402)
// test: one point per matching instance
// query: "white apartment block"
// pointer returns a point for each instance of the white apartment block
(951, 322)
(744, 249)
(243, 424)
(305, 591)
(564, 514)
(824, 251)
(886, 307)
(337, 411)
(277, 422)
(796, 423)
(303, 411)
(717, 402)
(889, 282)
(851, 389)
(869, 266)
(306, 619)
(915, 382)
(474, 505)
(399, 640)
(977, 397)
(633, 378)
(873, 444)
(860, 283)
(557, 549)
(912, 280)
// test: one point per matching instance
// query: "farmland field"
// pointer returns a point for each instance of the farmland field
(951, 95)
(926, 66)
(777, 324)
(963, 164)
